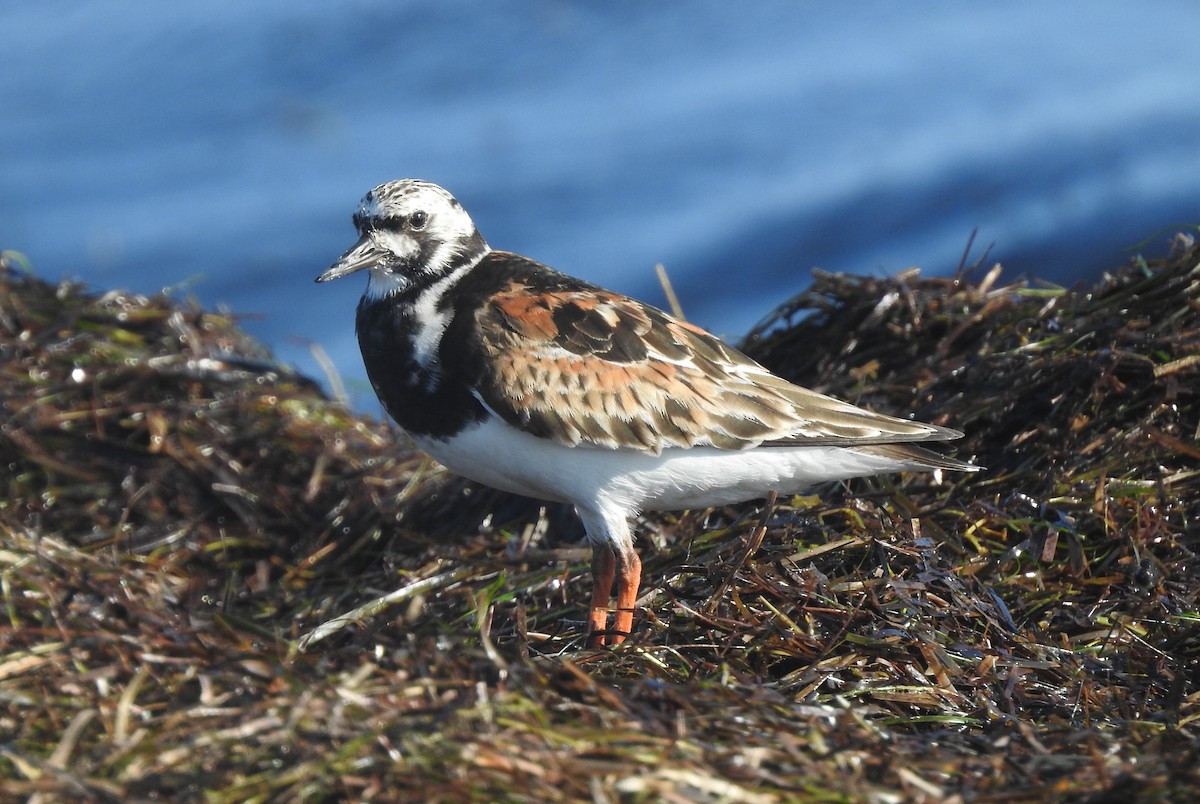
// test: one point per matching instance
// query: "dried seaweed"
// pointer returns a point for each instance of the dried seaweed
(179, 510)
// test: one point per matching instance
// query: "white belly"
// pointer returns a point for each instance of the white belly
(500, 456)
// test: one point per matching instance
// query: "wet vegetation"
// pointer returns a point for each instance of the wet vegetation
(185, 526)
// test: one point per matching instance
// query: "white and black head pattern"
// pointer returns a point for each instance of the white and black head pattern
(410, 232)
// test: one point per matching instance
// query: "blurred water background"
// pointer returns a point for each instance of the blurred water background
(219, 148)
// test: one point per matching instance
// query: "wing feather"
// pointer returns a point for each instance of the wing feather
(587, 367)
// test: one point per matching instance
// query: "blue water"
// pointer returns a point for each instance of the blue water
(219, 148)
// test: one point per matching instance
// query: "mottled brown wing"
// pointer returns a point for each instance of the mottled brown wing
(595, 368)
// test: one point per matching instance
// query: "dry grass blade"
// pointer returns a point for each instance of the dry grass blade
(374, 607)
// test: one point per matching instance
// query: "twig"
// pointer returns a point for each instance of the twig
(672, 299)
(377, 605)
(753, 542)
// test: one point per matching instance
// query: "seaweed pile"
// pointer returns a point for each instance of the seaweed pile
(180, 513)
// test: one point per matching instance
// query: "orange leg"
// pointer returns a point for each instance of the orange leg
(629, 578)
(608, 565)
(613, 560)
(604, 568)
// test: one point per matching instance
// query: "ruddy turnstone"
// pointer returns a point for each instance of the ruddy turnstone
(537, 383)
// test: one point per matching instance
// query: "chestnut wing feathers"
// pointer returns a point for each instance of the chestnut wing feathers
(587, 367)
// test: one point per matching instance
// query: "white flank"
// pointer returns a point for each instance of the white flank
(601, 481)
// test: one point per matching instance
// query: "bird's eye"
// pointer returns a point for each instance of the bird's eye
(417, 220)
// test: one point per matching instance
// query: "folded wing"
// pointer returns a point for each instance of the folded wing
(587, 367)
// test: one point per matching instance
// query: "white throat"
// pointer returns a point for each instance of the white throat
(383, 283)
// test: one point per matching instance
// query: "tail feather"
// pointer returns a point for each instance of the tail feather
(918, 457)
